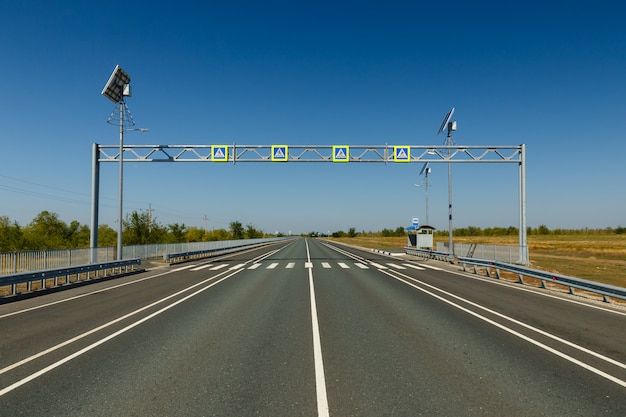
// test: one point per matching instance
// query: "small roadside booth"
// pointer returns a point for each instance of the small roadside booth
(421, 237)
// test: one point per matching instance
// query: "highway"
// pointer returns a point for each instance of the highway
(310, 328)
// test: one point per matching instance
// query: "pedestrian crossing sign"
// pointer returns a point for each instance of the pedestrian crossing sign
(280, 153)
(341, 154)
(219, 153)
(401, 154)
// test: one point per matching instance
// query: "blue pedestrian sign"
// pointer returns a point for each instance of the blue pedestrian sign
(280, 153)
(401, 154)
(219, 153)
(341, 154)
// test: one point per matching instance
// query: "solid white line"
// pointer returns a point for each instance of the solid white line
(272, 265)
(516, 333)
(343, 265)
(320, 379)
(326, 265)
(109, 337)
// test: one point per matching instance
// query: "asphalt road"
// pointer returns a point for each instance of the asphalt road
(303, 328)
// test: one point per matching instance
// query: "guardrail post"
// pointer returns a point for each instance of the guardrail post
(520, 279)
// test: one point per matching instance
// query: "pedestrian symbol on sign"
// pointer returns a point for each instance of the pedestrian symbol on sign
(280, 153)
(401, 154)
(219, 153)
(341, 153)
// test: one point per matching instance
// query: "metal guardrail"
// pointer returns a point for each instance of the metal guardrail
(44, 275)
(572, 283)
(187, 255)
(427, 254)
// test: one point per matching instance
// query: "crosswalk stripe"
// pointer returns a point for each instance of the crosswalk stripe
(254, 266)
(272, 265)
(343, 265)
(290, 265)
(379, 266)
(431, 267)
(414, 266)
(238, 266)
(362, 266)
(396, 266)
(182, 268)
(215, 268)
(326, 265)
(200, 267)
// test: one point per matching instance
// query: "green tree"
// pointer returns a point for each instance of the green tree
(11, 235)
(352, 232)
(194, 234)
(141, 229)
(236, 230)
(253, 233)
(46, 231)
(177, 232)
(106, 236)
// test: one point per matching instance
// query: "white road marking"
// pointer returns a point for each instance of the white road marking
(431, 267)
(343, 265)
(254, 266)
(182, 268)
(396, 266)
(238, 266)
(272, 265)
(362, 266)
(326, 265)
(215, 268)
(379, 266)
(516, 333)
(107, 338)
(320, 378)
(200, 267)
(414, 266)
(290, 265)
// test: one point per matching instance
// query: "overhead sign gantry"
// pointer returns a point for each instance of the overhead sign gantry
(388, 154)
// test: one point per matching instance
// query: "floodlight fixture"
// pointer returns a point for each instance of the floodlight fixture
(118, 85)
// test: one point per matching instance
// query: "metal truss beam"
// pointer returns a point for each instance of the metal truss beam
(304, 153)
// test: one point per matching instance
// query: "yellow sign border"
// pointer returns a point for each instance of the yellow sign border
(224, 147)
(346, 159)
(283, 159)
(408, 154)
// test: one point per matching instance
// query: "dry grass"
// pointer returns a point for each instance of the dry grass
(594, 257)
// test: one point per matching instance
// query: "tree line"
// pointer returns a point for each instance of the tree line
(48, 231)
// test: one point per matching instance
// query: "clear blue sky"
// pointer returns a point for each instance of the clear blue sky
(548, 74)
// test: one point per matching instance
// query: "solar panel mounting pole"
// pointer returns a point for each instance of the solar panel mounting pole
(450, 126)
(115, 90)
